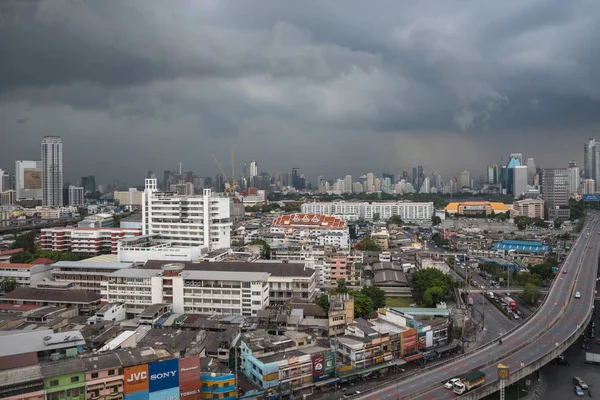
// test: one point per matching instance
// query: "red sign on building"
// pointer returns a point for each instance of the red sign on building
(318, 367)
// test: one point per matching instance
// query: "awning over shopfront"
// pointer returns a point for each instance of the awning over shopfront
(413, 357)
(449, 347)
(372, 368)
(327, 382)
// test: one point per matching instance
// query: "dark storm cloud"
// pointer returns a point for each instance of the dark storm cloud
(267, 73)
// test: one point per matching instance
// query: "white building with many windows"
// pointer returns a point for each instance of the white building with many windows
(85, 240)
(352, 211)
(195, 292)
(187, 220)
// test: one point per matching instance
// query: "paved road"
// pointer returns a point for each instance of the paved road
(581, 261)
(496, 323)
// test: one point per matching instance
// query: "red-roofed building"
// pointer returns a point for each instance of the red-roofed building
(25, 274)
(7, 254)
(85, 240)
(312, 228)
(42, 261)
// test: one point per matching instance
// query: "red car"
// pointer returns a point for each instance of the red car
(564, 271)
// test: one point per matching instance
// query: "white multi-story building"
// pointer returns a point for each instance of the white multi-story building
(28, 180)
(52, 171)
(76, 197)
(84, 240)
(352, 211)
(187, 220)
(25, 274)
(195, 292)
(91, 276)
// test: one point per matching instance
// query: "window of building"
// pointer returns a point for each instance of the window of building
(54, 383)
(94, 375)
(74, 379)
(111, 372)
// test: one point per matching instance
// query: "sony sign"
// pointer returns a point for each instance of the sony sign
(163, 375)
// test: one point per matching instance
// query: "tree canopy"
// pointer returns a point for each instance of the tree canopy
(8, 285)
(430, 285)
(523, 222)
(368, 244)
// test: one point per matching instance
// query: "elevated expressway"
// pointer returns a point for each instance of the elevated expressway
(558, 322)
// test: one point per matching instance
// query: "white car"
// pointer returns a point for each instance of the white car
(450, 383)
(577, 295)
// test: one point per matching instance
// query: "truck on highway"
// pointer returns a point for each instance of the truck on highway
(592, 358)
(469, 381)
(511, 303)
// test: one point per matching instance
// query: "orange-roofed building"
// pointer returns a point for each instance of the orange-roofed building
(476, 208)
(312, 229)
(25, 274)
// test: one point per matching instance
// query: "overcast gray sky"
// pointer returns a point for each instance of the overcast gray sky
(330, 87)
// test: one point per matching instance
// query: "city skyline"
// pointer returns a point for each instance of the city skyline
(374, 91)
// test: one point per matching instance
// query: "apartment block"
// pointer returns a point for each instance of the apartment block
(352, 211)
(533, 208)
(187, 220)
(85, 240)
(25, 274)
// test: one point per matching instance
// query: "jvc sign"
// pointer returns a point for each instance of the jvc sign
(164, 375)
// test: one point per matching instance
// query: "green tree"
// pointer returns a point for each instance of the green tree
(530, 293)
(363, 305)
(395, 220)
(432, 296)
(557, 223)
(435, 220)
(341, 286)
(451, 260)
(323, 302)
(26, 241)
(429, 278)
(368, 244)
(8, 285)
(375, 294)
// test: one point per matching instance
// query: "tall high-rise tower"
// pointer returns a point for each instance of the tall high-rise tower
(253, 169)
(52, 171)
(573, 177)
(588, 159)
(530, 171)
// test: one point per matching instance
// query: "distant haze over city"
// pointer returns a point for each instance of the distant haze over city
(330, 88)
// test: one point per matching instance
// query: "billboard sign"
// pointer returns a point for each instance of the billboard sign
(32, 178)
(190, 390)
(164, 375)
(422, 340)
(329, 364)
(135, 379)
(143, 395)
(189, 369)
(165, 394)
(591, 197)
(318, 369)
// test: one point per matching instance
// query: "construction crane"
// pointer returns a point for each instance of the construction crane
(229, 187)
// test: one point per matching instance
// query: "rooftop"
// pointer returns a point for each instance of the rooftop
(61, 296)
(280, 356)
(15, 376)
(92, 265)
(101, 361)
(417, 311)
(310, 220)
(63, 367)
(104, 258)
(15, 265)
(522, 245)
(168, 339)
(38, 340)
(275, 269)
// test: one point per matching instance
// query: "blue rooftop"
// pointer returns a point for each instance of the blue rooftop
(522, 245)
(514, 162)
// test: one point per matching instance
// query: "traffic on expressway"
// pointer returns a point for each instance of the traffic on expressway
(528, 342)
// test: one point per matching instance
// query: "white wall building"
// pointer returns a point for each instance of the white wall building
(194, 292)
(25, 274)
(130, 199)
(28, 180)
(352, 211)
(519, 181)
(141, 249)
(52, 171)
(84, 240)
(316, 228)
(76, 196)
(187, 220)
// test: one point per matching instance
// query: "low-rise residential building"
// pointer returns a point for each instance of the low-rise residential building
(97, 221)
(341, 313)
(141, 249)
(25, 275)
(532, 208)
(91, 276)
(468, 242)
(84, 240)
(24, 383)
(210, 291)
(381, 237)
(65, 380)
(533, 252)
(216, 380)
(85, 300)
(103, 377)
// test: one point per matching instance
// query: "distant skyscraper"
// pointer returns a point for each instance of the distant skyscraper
(518, 156)
(253, 169)
(588, 186)
(88, 183)
(589, 151)
(574, 177)
(556, 193)
(348, 184)
(76, 197)
(391, 176)
(520, 173)
(52, 171)
(530, 171)
(463, 179)
(5, 181)
(370, 182)
(28, 180)
(515, 161)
